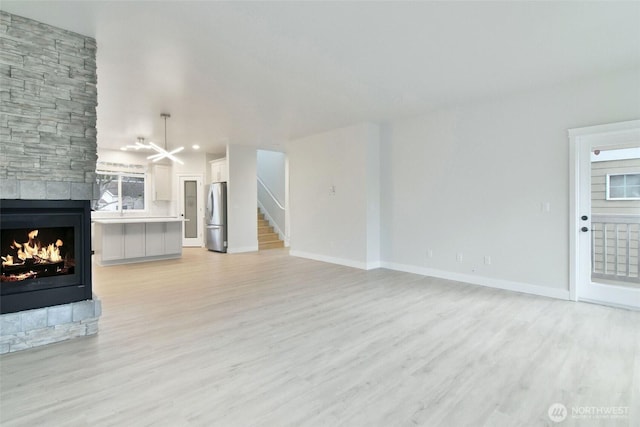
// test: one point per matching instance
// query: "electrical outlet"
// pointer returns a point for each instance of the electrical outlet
(487, 260)
(429, 253)
(459, 257)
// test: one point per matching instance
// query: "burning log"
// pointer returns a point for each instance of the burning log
(18, 277)
(32, 259)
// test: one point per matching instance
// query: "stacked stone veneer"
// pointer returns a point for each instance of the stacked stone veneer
(48, 100)
(33, 328)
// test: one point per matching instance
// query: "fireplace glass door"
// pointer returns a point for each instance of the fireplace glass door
(45, 248)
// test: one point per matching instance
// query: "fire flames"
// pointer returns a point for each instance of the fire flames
(33, 250)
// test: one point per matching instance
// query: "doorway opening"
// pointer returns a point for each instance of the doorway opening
(272, 172)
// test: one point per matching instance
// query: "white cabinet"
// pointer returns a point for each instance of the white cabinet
(173, 238)
(136, 241)
(161, 182)
(219, 170)
(110, 241)
(163, 238)
(154, 238)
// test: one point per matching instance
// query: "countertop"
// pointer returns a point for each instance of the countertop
(137, 220)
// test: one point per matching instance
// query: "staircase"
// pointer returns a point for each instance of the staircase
(267, 238)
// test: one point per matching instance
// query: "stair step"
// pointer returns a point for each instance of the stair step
(271, 245)
(267, 237)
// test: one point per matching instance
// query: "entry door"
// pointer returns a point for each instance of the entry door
(606, 223)
(191, 209)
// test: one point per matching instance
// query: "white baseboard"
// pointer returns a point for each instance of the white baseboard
(136, 260)
(242, 249)
(609, 304)
(489, 282)
(480, 280)
(373, 265)
(333, 260)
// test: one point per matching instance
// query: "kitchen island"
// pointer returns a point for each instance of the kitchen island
(128, 240)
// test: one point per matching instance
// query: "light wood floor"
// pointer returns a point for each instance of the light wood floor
(271, 340)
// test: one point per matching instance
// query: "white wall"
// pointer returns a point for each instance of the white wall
(242, 234)
(270, 167)
(373, 184)
(472, 179)
(194, 164)
(335, 227)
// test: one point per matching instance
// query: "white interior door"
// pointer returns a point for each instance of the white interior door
(191, 209)
(606, 214)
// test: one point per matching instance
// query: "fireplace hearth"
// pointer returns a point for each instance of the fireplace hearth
(45, 247)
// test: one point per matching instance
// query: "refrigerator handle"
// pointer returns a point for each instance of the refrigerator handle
(210, 202)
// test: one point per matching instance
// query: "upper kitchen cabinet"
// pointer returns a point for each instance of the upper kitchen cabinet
(219, 170)
(161, 182)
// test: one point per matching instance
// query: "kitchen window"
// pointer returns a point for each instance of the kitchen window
(623, 186)
(120, 191)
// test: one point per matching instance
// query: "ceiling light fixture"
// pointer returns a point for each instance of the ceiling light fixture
(195, 146)
(163, 152)
(139, 145)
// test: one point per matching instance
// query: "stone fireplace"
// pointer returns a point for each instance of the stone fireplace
(47, 174)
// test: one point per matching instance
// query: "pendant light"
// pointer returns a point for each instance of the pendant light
(163, 152)
(139, 145)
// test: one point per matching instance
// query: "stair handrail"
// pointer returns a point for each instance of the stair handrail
(261, 182)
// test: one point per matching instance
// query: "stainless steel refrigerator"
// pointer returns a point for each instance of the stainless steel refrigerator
(216, 217)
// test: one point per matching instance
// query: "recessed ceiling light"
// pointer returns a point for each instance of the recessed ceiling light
(123, 148)
(195, 146)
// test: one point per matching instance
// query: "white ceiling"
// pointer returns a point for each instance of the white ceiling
(261, 73)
